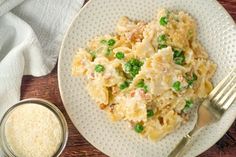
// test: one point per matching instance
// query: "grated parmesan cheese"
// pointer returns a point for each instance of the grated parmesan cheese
(33, 130)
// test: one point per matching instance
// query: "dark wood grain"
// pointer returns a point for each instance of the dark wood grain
(47, 88)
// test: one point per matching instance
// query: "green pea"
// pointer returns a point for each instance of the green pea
(140, 63)
(162, 38)
(134, 62)
(136, 67)
(190, 80)
(141, 84)
(99, 68)
(120, 55)
(188, 106)
(180, 60)
(162, 46)
(138, 128)
(133, 73)
(176, 86)
(111, 42)
(124, 85)
(177, 53)
(163, 21)
(145, 88)
(179, 57)
(132, 67)
(128, 67)
(189, 103)
(150, 113)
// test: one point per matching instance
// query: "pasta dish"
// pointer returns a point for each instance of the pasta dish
(149, 74)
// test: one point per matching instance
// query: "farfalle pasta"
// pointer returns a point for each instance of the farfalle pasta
(149, 74)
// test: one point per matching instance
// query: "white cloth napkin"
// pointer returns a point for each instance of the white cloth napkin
(30, 39)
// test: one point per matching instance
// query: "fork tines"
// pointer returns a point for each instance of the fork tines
(224, 94)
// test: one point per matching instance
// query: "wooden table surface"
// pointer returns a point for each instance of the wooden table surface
(47, 88)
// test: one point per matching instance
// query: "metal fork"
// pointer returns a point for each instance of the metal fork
(211, 110)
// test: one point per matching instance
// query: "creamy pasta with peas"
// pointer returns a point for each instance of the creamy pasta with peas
(149, 74)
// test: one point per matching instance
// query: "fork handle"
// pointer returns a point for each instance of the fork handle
(181, 147)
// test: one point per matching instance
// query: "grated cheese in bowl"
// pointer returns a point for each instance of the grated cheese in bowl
(31, 129)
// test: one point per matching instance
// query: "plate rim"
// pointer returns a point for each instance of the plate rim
(221, 8)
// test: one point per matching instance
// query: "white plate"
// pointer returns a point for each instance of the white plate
(217, 32)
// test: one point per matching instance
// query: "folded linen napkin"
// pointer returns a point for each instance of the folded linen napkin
(30, 38)
(7, 5)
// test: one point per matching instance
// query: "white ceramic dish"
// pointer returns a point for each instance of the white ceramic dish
(217, 32)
